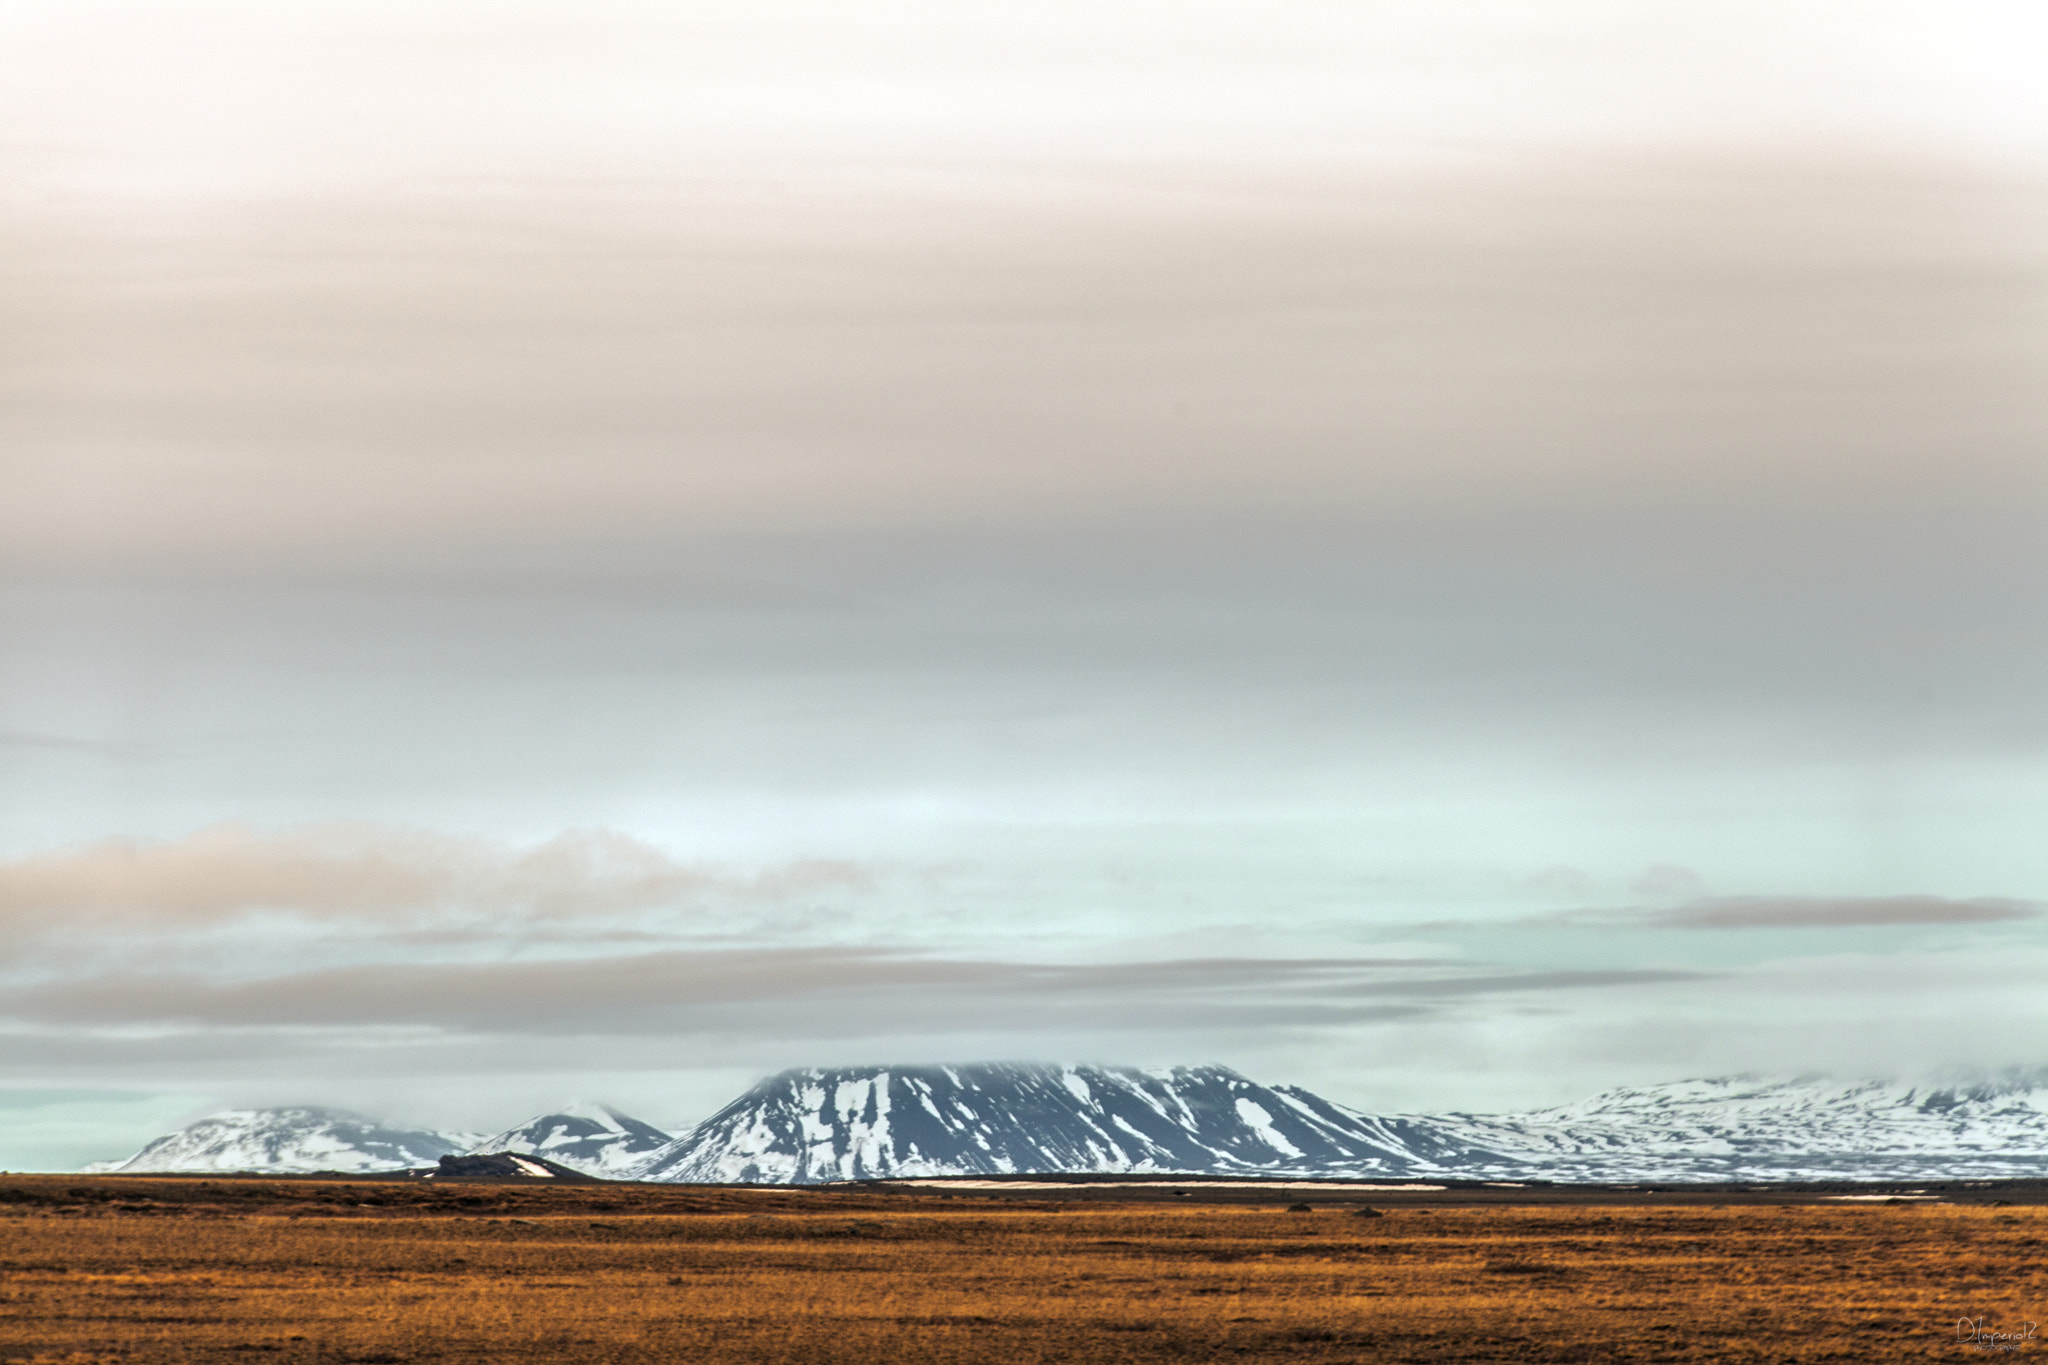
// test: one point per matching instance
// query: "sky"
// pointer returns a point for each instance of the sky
(1453, 554)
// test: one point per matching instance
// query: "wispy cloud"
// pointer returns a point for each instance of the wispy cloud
(1779, 912)
(1843, 912)
(104, 748)
(377, 873)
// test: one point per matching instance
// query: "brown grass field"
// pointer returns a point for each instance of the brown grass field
(139, 1270)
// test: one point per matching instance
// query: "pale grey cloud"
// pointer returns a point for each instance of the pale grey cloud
(1668, 882)
(18, 739)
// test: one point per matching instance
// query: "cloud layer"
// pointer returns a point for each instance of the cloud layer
(1793, 912)
(1669, 335)
(377, 876)
(1150, 531)
(804, 994)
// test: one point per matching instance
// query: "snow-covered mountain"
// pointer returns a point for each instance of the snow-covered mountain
(803, 1127)
(291, 1140)
(810, 1126)
(593, 1138)
(1743, 1128)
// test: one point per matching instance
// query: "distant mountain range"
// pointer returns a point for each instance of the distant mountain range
(1748, 1129)
(813, 1126)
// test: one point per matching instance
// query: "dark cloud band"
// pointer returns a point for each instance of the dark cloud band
(1817, 912)
(809, 991)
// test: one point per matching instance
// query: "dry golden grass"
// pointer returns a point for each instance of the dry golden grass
(149, 1271)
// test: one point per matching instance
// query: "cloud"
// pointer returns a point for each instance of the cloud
(816, 992)
(1559, 881)
(29, 739)
(720, 361)
(371, 872)
(1782, 912)
(1668, 881)
(1842, 912)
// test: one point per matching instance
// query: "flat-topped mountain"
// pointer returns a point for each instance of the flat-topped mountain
(852, 1123)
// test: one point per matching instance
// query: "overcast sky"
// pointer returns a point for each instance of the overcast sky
(1451, 553)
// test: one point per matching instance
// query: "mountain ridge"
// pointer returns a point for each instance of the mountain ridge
(595, 1139)
(1749, 1127)
(812, 1125)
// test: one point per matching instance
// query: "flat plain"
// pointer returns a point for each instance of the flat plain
(139, 1270)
